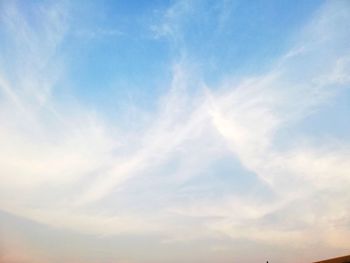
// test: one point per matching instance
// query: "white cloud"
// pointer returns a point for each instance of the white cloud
(44, 144)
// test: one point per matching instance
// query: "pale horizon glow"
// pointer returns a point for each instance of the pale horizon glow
(174, 131)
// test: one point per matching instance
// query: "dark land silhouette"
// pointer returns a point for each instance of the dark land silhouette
(344, 259)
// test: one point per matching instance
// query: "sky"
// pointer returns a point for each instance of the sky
(174, 131)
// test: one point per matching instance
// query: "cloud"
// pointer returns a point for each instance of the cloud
(64, 166)
(98, 33)
(250, 116)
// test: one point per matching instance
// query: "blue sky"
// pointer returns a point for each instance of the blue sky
(174, 131)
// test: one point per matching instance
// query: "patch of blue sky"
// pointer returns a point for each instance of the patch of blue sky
(327, 124)
(239, 37)
(226, 177)
(115, 57)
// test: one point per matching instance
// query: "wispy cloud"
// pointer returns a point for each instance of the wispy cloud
(63, 166)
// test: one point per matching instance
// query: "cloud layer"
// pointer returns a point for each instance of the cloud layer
(219, 166)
